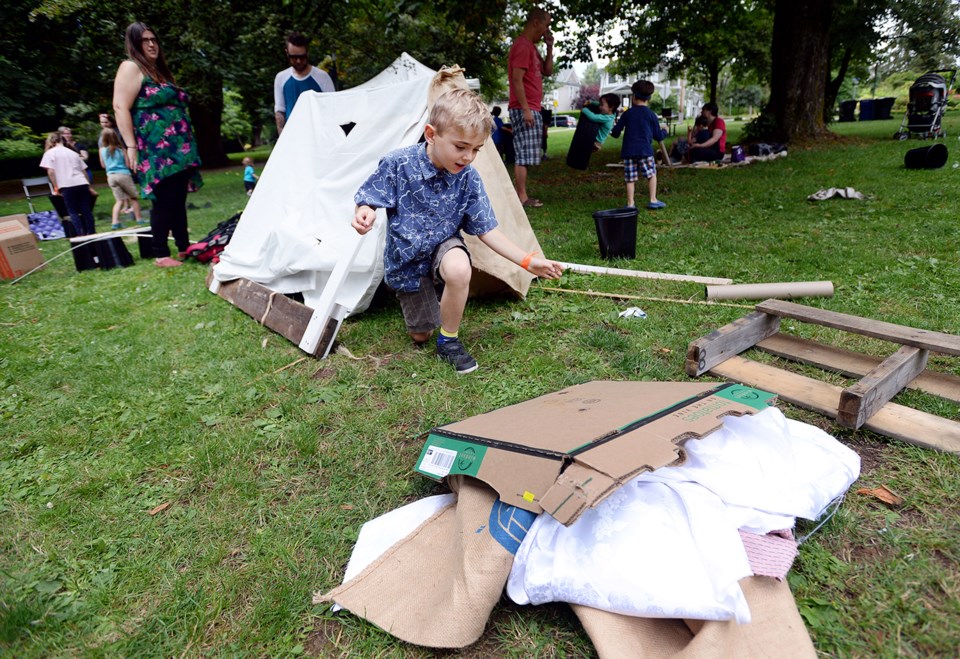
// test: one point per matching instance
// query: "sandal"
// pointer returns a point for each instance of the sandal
(532, 203)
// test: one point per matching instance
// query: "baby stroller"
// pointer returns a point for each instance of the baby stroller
(928, 101)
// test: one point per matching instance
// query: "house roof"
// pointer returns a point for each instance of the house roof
(568, 77)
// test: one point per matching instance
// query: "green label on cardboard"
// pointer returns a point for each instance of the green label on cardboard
(755, 398)
(442, 456)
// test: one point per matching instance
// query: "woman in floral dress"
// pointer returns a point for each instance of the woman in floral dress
(152, 117)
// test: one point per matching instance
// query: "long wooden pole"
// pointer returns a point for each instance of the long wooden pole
(621, 296)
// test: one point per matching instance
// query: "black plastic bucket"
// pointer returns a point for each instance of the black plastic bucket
(617, 233)
(928, 157)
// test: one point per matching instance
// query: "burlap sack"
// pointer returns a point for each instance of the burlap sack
(437, 586)
(776, 631)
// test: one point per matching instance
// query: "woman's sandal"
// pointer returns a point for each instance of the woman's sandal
(532, 203)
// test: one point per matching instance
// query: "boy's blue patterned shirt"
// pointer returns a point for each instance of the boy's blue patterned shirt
(425, 206)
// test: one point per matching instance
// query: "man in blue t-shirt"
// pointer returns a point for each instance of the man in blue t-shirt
(301, 76)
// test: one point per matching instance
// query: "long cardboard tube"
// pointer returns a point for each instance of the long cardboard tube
(601, 270)
(780, 290)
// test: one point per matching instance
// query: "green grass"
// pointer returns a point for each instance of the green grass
(127, 389)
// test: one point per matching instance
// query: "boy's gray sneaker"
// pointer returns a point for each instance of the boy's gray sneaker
(457, 356)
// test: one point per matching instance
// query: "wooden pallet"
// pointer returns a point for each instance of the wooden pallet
(865, 404)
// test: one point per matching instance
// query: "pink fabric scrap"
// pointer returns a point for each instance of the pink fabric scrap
(770, 555)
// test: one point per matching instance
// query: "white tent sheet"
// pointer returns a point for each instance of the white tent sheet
(297, 222)
(296, 225)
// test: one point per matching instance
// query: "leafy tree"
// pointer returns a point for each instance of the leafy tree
(746, 96)
(591, 75)
(236, 44)
(34, 57)
(698, 39)
(236, 122)
(854, 35)
(925, 35)
(587, 95)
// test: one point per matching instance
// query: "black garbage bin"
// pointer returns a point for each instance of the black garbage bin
(882, 107)
(617, 232)
(847, 110)
(581, 146)
(866, 109)
(927, 157)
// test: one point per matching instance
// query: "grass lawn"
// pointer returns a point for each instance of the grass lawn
(176, 481)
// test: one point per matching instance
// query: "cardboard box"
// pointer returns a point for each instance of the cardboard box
(19, 217)
(569, 450)
(18, 249)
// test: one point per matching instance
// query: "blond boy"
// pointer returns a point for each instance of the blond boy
(431, 193)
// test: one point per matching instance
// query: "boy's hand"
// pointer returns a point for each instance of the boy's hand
(597, 146)
(544, 268)
(363, 219)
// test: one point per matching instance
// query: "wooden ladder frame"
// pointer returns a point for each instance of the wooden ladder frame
(865, 404)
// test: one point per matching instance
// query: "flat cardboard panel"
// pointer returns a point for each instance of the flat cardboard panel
(567, 419)
(19, 217)
(570, 449)
(18, 249)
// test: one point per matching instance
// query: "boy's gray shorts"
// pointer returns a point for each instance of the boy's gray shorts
(421, 309)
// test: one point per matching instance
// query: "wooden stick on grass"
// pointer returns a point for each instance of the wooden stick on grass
(621, 296)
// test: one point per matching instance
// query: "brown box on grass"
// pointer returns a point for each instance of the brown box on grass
(18, 249)
(567, 451)
(19, 217)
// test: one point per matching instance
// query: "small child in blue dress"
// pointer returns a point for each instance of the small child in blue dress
(249, 178)
(430, 193)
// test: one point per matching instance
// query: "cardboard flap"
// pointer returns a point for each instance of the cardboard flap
(576, 489)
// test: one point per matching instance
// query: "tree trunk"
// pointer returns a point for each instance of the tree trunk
(800, 68)
(833, 86)
(206, 113)
(714, 72)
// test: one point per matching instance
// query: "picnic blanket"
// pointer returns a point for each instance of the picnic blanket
(46, 225)
(718, 164)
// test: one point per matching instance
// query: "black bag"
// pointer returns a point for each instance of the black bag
(581, 146)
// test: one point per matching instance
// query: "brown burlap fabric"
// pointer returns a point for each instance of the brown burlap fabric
(776, 630)
(437, 586)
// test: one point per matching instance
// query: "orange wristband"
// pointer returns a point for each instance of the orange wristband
(525, 263)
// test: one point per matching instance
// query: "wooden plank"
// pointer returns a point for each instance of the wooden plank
(909, 336)
(729, 340)
(892, 420)
(861, 401)
(853, 364)
(286, 317)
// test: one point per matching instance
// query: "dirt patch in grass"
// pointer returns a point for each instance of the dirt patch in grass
(871, 454)
(324, 640)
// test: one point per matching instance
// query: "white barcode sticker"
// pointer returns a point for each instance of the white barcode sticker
(437, 461)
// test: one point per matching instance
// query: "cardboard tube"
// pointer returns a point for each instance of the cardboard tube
(781, 290)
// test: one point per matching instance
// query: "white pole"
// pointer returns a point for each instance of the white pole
(593, 269)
